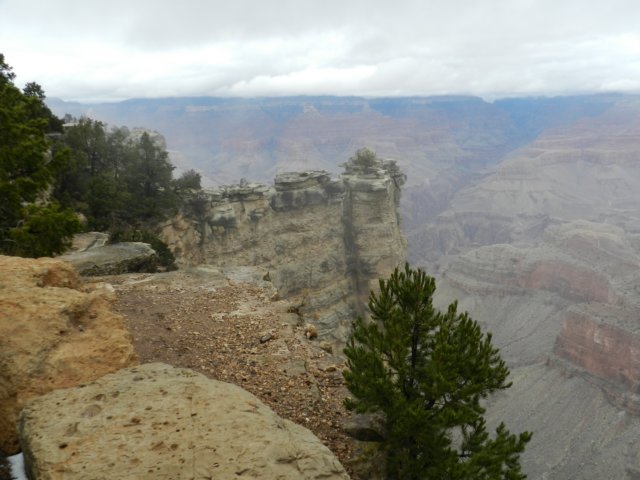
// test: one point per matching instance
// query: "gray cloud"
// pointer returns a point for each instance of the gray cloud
(117, 49)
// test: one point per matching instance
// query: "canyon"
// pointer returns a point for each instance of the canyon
(525, 211)
(228, 139)
(543, 251)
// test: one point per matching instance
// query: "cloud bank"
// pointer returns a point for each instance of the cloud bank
(492, 48)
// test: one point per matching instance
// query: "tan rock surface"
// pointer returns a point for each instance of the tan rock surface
(52, 335)
(159, 422)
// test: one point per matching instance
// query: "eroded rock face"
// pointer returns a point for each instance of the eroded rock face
(52, 335)
(324, 240)
(605, 351)
(160, 422)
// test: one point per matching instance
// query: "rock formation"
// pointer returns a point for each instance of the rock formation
(113, 259)
(322, 239)
(160, 422)
(53, 334)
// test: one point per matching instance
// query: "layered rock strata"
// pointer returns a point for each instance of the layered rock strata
(322, 239)
(53, 334)
(160, 422)
(588, 170)
(590, 343)
(564, 313)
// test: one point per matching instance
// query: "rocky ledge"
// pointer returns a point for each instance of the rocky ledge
(54, 333)
(159, 422)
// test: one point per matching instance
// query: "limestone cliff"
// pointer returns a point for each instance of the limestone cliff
(323, 239)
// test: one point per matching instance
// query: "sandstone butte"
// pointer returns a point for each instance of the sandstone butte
(53, 334)
(159, 422)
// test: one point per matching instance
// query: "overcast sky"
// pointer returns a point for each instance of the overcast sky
(116, 49)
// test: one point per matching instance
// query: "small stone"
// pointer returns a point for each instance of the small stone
(265, 338)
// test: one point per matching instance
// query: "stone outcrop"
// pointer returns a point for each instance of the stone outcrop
(52, 335)
(322, 239)
(160, 422)
(113, 259)
(88, 240)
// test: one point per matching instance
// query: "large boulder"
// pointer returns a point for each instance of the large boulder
(52, 335)
(114, 259)
(160, 422)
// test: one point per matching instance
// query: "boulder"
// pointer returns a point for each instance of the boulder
(52, 335)
(160, 422)
(114, 259)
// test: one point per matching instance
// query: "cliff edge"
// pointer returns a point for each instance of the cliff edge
(323, 240)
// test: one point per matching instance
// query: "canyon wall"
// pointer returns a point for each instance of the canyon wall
(588, 170)
(323, 240)
(564, 312)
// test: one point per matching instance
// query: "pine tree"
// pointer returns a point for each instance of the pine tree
(30, 223)
(427, 372)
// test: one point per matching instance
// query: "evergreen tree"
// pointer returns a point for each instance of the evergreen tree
(46, 229)
(427, 372)
(189, 180)
(27, 166)
(149, 182)
(118, 181)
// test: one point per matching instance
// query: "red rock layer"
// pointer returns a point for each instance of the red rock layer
(605, 351)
